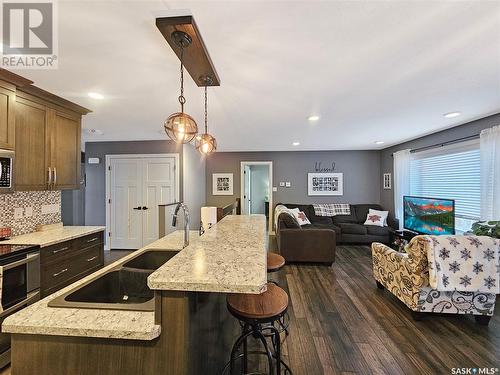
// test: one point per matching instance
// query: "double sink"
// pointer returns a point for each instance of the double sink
(123, 287)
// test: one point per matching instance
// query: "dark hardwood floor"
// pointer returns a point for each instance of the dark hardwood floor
(340, 323)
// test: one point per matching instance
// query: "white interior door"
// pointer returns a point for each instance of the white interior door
(137, 186)
(126, 199)
(158, 188)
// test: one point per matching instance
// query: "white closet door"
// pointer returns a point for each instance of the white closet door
(126, 197)
(158, 188)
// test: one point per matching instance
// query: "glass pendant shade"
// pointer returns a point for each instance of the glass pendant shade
(180, 127)
(205, 143)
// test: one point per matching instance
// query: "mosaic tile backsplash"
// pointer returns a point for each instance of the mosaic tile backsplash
(23, 199)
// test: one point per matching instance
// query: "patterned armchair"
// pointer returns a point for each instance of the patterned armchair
(406, 275)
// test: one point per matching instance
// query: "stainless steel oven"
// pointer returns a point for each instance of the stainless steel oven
(6, 171)
(20, 286)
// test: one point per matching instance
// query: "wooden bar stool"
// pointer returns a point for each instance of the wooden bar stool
(276, 262)
(257, 313)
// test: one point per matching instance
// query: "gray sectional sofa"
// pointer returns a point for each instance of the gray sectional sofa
(349, 229)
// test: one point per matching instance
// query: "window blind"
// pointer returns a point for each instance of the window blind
(450, 172)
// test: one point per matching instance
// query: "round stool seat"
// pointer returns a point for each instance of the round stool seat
(274, 262)
(268, 305)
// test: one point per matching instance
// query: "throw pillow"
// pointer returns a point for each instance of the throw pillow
(384, 214)
(300, 216)
(289, 220)
(374, 219)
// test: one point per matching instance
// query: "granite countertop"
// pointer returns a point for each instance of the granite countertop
(52, 236)
(118, 324)
(228, 258)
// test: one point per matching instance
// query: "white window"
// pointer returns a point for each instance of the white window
(450, 172)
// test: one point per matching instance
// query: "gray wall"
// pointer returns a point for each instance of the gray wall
(361, 174)
(465, 130)
(193, 177)
(95, 191)
(259, 187)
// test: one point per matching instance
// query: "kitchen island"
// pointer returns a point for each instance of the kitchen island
(190, 331)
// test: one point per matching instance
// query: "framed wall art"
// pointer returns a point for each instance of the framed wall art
(325, 184)
(387, 181)
(222, 184)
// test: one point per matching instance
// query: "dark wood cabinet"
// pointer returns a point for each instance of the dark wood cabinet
(44, 130)
(66, 262)
(47, 145)
(65, 133)
(31, 145)
(7, 115)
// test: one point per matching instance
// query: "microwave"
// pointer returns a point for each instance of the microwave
(6, 171)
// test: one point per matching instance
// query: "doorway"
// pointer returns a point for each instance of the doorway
(135, 186)
(256, 188)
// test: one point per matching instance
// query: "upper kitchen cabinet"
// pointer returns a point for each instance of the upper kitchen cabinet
(32, 141)
(7, 115)
(64, 156)
(45, 133)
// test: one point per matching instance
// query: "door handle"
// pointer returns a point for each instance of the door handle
(60, 272)
(144, 208)
(137, 208)
(31, 297)
(59, 250)
(30, 258)
(49, 178)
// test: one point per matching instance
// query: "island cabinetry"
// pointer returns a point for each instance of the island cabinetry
(63, 263)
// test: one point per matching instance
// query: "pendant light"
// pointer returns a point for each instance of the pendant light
(179, 126)
(206, 143)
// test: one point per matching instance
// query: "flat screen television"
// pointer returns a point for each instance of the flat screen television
(432, 216)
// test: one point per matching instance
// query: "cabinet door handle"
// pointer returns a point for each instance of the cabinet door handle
(49, 178)
(92, 239)
(59, 273)
(55, 177)
(59, 250)
(137, 208)
(91, 259)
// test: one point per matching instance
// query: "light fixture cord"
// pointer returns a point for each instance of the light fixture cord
(206, 112)
(182, 99)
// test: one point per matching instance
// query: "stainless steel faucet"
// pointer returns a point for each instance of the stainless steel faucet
(186, 221)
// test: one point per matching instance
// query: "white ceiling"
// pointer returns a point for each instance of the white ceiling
(371, 70)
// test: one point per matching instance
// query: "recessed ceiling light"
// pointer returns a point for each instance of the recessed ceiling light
(96, 95)
(379, 142)
(296, 144)
(452, 114)
(313, 118)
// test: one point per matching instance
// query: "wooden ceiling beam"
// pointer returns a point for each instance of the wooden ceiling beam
(196, 58)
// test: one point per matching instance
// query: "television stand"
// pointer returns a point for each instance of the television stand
(406, 234)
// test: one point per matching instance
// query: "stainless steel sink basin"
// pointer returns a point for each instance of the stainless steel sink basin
(124, 287)
(150, 260)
